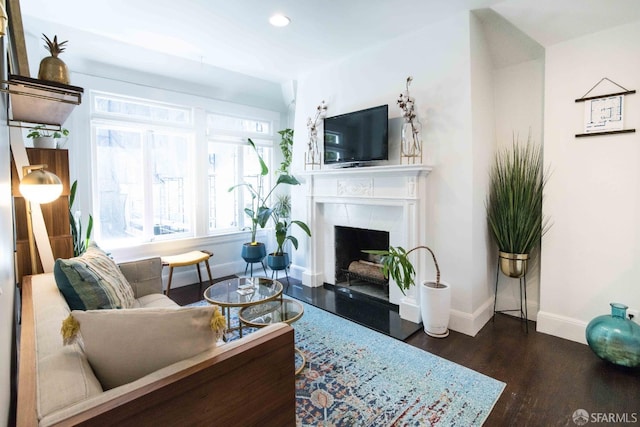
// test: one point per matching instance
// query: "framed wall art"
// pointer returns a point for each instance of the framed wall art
(604, 114)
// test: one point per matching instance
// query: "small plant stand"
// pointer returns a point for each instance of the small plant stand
(275, 272)
(251, 269)
(523, 297)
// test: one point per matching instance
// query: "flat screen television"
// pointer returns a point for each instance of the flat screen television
(360, 136)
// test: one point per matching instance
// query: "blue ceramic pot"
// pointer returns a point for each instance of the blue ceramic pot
(278, 262)
(615, 338)
(253, 253)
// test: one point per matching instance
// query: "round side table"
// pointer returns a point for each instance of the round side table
(274, 311)
(242, 292)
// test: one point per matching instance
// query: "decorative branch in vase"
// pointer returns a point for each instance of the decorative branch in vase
(312, 156)
(411, 144)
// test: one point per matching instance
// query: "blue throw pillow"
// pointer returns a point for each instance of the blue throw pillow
(92, 281)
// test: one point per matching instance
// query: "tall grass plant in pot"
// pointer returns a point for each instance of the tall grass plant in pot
(514, 205)
(435, 295)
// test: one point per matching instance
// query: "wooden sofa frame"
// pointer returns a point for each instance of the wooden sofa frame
(251, 385)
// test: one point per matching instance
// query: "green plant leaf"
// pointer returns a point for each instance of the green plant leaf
(396, 264)
(303, 226)
(287, 179)
(264, 213)
(514, 203)
(263, 165)
(286, 147)
(293, 241)
(89, 229)
(72, 193)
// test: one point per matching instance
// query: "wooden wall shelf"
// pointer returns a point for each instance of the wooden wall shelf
(40, 101)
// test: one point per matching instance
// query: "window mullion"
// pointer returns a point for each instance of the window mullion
(241, 193)
(147, 177)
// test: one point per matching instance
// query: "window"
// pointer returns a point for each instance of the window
(221, 122)
(151, 173)
(130, 108)
(143, 183)
(143, 156)
(231, 162)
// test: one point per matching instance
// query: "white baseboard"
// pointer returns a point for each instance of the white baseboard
(409, 309)
(561, 326)
(471, 323)
(296, 271)
(509, 302)
(313, 280)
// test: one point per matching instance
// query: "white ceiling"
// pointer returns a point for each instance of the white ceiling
(235, 34)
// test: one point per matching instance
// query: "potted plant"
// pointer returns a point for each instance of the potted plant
(80, 242)
(514, 205)
(260, 212)
(46, 138)
(279, 259)
(435, 296)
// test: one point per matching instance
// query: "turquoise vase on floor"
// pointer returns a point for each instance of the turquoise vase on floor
(615, 338)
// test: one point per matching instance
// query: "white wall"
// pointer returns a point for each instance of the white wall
(438, 58)
(518, 101)
(591, 255)
(480, 304)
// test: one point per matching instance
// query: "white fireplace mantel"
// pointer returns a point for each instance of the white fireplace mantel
(386, 198)
(404, 170)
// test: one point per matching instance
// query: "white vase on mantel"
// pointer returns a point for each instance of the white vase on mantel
(435, 307)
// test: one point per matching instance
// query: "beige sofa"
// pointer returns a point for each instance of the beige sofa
(245, 382)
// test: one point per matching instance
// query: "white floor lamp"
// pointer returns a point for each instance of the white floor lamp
(37, 186)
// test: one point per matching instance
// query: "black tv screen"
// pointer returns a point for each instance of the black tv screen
(361, 136)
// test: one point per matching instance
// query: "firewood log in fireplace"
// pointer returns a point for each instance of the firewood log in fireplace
(366, 270)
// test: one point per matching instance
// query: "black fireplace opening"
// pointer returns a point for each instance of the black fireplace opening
(356, 271)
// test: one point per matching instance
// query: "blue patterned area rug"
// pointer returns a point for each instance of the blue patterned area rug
(355, 376)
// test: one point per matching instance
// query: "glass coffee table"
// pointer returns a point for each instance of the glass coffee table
(242, 292)
(274, 311)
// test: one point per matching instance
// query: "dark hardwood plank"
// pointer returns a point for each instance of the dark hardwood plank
(548, 378)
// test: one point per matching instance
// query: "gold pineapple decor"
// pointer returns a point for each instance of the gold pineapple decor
(53, 68)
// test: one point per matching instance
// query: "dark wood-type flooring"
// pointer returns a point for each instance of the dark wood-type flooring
(548, 378)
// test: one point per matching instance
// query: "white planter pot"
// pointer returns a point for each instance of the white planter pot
(45, 142)
(435, 307)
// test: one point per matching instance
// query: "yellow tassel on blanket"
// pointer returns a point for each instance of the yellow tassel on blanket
(69, 331)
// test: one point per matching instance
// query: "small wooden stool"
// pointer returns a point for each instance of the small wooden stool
(185, 259)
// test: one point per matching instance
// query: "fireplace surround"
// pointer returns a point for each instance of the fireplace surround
(390, 199)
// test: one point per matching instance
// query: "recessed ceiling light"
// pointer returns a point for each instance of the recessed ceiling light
(279, 20)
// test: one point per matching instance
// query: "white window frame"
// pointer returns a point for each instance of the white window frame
(201, 107)
(239, 138)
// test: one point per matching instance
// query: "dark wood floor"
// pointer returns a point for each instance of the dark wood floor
(547, 378)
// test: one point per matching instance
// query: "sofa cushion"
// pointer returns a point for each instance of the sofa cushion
(144, 276)
(92, 281)
(155, 301)
(63, 374)
(124, 345)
